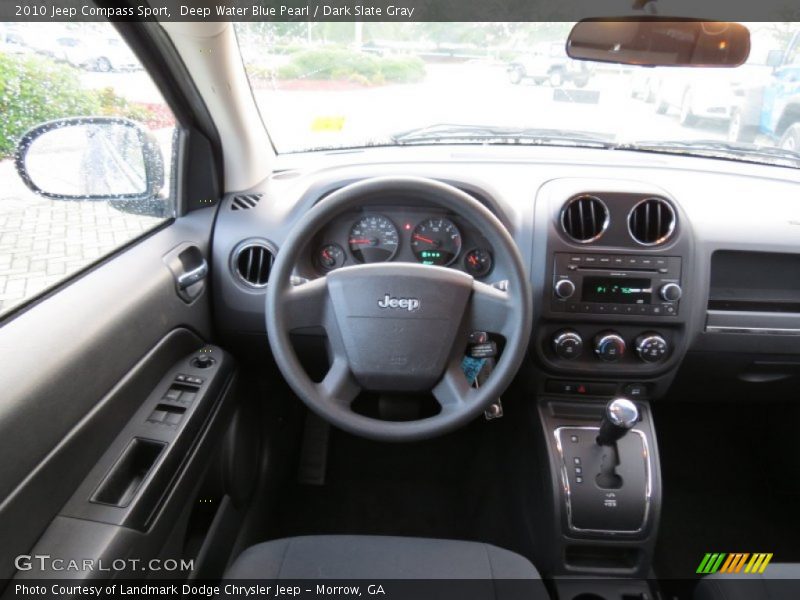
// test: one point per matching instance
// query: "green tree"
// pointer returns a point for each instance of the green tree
(34, 90)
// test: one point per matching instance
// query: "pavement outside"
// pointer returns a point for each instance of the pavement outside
(44, 241)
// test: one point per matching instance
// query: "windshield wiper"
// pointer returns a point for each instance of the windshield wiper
(445, 133)
(719, 149)
(486, 134)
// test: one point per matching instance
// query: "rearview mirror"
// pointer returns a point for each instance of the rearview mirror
(660, 42)
(91, 158)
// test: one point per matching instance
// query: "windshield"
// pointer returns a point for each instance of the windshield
(342, 85)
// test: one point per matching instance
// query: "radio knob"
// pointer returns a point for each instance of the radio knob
(651, 347)
(670, 292)
(568, 344)
(564, 288)
(609, 346)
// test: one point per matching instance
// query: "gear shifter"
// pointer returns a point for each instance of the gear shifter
(607, 474)
(619, 416)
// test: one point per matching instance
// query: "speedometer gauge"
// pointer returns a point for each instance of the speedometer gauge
(436, 242)
(373, 239)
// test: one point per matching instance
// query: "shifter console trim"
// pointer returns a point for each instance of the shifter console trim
(568, 492)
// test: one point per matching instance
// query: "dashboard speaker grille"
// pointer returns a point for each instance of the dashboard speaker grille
(584, 218)
(245, 201)
(253, 263)
(651, 222)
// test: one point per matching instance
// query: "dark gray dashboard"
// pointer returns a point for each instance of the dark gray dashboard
(718, 205)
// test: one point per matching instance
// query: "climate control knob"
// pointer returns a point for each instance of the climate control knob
(651, 347)
(670, 292)
(564, 288)
(567, 344)
(609, 346)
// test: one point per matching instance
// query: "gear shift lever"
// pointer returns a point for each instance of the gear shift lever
(619, 416)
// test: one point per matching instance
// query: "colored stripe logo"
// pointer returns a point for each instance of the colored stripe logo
(736, 562)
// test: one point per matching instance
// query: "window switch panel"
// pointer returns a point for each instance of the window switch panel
(168, 414)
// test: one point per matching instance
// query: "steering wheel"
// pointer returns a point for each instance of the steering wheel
(398, 327)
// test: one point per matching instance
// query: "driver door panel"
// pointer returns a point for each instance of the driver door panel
(80, 366)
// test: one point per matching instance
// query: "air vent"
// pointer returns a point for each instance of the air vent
(252, 262)
(245, 201)
(584, 218)
(651, 222)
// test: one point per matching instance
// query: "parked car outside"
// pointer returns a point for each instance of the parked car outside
(644, 84)
(695, 93)
(111, 54)
(104, 55)
(11, 42)
(772, 108)
(712, 94)
(548, 62)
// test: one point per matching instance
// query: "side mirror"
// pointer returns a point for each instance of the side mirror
(91, 158)
(774, 58)
(660, 42)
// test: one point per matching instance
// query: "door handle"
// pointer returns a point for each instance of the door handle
(191, 277)
(189, 270)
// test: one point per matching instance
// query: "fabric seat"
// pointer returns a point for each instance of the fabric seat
(777, 582)
(378, 559)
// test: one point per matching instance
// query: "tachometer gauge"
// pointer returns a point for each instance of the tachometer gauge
(330, 257)
(373, 239)
(436, 242)
(478, 262)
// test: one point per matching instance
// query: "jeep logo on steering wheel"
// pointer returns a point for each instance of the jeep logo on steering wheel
(410, 304)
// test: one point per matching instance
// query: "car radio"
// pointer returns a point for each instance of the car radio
(616, 284)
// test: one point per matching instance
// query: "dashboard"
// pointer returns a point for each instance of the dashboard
(633, 258)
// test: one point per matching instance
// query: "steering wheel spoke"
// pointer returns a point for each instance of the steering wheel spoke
(307, 305)
(339, 386)
(453, 390)
(489, 309)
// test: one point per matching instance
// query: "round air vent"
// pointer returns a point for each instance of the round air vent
(252, 262)
(651, 222)
(584, 218)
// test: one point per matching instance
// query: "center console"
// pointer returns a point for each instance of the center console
(605, 483)
(613, 299)
(614, 313)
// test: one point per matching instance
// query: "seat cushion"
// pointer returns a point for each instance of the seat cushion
(378, 558)
(777, 582)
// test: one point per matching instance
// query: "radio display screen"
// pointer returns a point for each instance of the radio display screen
(614, 290)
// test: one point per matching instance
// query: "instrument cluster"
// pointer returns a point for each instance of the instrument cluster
(408, 235)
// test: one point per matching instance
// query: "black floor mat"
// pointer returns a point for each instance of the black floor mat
(453, 487)
(729, 476)
(729, 485)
